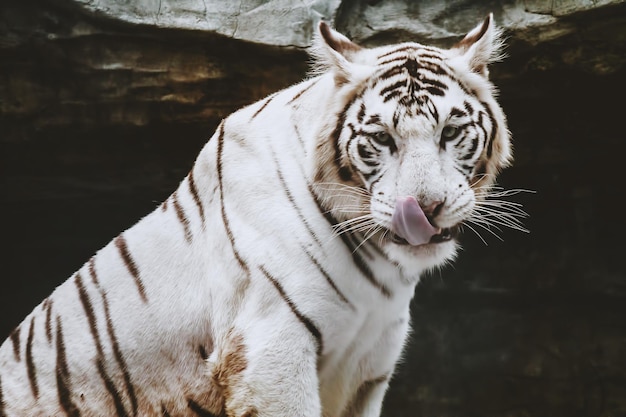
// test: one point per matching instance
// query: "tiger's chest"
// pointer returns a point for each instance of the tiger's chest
(363, 319)
(364, 352)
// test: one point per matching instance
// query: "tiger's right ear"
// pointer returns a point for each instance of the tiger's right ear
(333, 51)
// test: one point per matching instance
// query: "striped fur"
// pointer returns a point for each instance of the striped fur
(276, 281)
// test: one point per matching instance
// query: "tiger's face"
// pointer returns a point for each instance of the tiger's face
(417, 143)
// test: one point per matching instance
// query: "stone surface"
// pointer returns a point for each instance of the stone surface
(273, 22)
(289, 23)
(101, 117)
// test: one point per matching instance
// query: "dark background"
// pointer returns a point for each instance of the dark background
(534, 325)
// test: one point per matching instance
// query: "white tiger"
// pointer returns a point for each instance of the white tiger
(276, 280)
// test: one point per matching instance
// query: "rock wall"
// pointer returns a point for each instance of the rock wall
(104, 106)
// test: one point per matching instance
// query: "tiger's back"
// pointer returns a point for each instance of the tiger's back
(276, 279)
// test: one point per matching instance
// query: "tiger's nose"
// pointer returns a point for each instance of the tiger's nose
(432, 210)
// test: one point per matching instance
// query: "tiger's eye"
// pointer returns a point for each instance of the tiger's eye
(383, 138)
(449, 132)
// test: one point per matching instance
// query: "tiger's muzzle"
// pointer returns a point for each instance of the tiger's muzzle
(410, 225)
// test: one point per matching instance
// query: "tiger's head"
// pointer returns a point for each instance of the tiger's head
(414, 143)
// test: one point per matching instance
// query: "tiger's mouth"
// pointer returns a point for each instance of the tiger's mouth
(444, 235)
(410, 225)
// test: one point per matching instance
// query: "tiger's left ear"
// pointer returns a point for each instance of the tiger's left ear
(481, 46)
(334, 51)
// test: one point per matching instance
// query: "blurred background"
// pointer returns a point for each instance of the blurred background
(105, 105)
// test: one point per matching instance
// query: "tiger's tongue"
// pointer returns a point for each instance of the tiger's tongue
(410, 222)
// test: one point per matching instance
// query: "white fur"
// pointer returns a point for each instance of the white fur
(204, 289)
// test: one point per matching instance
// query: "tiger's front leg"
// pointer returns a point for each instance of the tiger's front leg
(267, 367)
(369, 399)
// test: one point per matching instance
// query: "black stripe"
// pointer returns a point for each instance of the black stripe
(317, 335)
(304, 90)
(364, 152)
(435, 91)
(436, 68)
(330, 281)
(393, 87)
(391, 60)
(117, 399)
(430, 55)
(63, 375)
(88, 308)
(391, 72)
(494, 129)
(203, 353)
(15, 339)
(91, 319)
(341, 120)
(117, 353)
(434, 83)
(299, 137)
(283, 183)
(267, 101)
(399, 49)
(30, 365)
(120, 243)
(373, 119)
(48, 306)
(362, 265)
(393, 94)
(164, 412)
(479, 171)
(356, 242)
(432, 109)
(196, 197)
(92, 271)
(220, 179)
(358, 260)
(197, 408)
(472, 150)
(2, 414)
(379, 250)
(182, 217)
(464, 173)
(455, 111)
(411, 67)
(396, 116)
(361, 113)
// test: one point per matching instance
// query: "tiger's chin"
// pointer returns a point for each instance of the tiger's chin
(441, 249)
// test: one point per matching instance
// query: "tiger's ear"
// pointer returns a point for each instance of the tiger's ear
(481, 46)
(334, 51)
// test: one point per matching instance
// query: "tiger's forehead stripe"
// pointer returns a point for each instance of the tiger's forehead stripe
(414, 47)
(423, 66)
(410, 52)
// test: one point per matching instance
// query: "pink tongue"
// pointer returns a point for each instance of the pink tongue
(410, 222)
